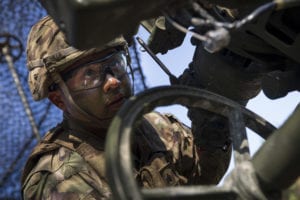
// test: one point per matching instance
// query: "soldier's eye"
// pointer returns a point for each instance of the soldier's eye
(91, 73)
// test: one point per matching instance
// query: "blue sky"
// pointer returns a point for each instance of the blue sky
(275, 111)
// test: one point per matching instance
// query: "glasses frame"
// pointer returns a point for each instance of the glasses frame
(70, 74)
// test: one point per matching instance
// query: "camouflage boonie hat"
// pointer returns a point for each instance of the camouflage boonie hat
(48, 50)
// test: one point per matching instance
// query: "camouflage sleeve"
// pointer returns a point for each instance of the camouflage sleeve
(165, 153)
(171, 157)
(64, 175)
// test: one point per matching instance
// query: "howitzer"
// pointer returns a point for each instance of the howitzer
(241, 48)
(256, 38)
(254, 179)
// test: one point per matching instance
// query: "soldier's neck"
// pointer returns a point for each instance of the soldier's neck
(84, 127)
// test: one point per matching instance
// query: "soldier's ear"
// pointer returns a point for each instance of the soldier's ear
(56, 98)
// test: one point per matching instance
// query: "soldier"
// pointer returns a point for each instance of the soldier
(89, 87)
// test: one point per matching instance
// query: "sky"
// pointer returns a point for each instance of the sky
(274, 111)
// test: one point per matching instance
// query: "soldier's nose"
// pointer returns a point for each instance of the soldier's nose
(111, 82)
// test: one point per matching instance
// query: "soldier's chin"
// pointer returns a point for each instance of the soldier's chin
(108, 119)
(108, 123)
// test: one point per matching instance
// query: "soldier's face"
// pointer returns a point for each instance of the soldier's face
(100, 87)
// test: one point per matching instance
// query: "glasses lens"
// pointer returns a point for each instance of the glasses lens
(93, 74)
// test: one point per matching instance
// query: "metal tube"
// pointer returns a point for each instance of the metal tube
(9, 60)
(277, 163)
(173, 78)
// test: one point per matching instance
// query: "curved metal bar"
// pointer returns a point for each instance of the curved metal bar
(119, 162)
(188, 192)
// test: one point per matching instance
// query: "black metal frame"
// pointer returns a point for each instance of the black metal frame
(118, 154)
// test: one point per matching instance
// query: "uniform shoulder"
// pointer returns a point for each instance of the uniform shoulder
(52, 162)
(62, 173)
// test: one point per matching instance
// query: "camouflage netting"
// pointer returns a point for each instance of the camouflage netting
(17, 138)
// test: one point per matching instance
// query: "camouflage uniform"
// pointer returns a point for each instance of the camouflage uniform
(70, 165)
(69, 162)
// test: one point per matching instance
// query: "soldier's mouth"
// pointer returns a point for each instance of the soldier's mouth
(116, 102)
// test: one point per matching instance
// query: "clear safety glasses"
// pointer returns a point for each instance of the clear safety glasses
(93, 74)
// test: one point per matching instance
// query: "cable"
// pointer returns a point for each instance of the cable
(183, 29)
